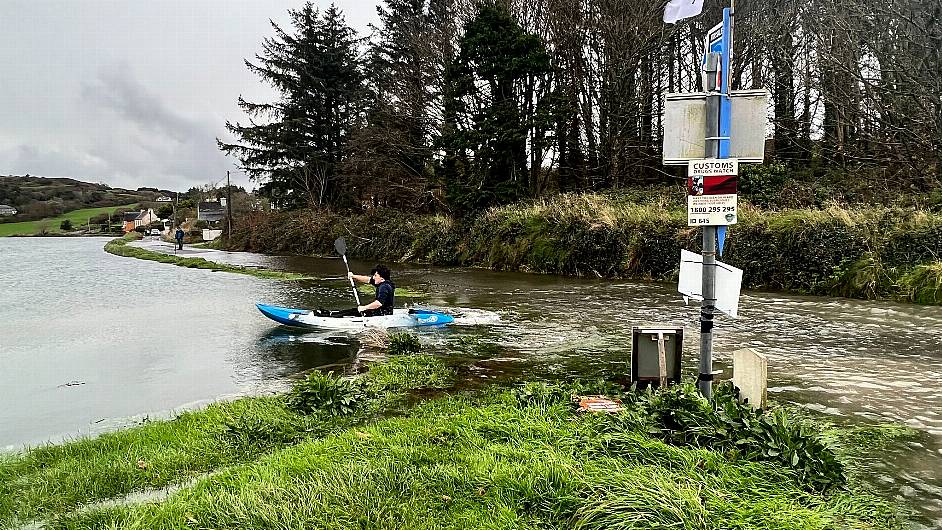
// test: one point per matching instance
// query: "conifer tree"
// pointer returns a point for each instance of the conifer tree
(492, 90)
(295, 146)
(393, 151)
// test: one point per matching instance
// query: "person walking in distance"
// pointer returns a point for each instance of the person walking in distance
(179, 237)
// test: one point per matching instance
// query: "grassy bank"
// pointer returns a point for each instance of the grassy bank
(119, 247)
(323, 456)
(57, 479)
(78, 218)
(867, 253)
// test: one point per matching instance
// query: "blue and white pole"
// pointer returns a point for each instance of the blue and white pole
(717, 138)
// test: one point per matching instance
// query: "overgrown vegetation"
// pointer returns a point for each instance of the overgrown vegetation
(328, 394)
(867, 252)
(119, 247)
(522, 459)
(401, 343)
(413, 371)
(923, 284)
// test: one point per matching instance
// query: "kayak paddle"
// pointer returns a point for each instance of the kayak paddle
(341, 247)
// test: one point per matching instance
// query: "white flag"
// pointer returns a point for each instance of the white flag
(681, 9)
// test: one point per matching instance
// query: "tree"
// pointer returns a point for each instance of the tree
(165, 211)
(492, 97)
(296, 145)
(392, 152)
(66, 225)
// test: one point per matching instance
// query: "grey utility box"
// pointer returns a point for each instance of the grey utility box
(647, 345)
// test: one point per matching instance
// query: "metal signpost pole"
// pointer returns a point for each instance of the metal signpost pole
(707, 306)
(717, 146)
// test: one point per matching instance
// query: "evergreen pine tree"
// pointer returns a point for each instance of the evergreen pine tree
(393, 152)
(295, 146)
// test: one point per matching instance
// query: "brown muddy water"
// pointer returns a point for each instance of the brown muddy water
(91, 342)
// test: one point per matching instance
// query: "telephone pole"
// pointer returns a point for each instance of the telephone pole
(228, 209)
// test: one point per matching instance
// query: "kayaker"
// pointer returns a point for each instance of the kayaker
(381, 278)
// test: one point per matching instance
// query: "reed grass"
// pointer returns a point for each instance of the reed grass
(923, 284)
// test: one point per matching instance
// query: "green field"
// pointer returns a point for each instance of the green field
(78, 217)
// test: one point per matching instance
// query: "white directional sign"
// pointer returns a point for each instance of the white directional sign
(728, 282)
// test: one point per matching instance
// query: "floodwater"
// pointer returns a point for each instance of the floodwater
(91, 342)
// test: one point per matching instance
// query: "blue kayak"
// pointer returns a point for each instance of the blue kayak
(401, 318)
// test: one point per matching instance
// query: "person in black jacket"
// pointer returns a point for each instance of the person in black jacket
(179, 237)
(381, 278)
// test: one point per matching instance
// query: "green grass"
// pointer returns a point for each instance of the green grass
(495, 459)
(923, 285)
(521, 458)
(78, 218)
(489, 462)
(411, 371)
(56, 479)
(118, 247)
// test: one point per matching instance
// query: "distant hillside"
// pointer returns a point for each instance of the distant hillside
(38, 197)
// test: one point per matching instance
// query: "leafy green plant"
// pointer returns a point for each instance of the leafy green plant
(681, 417)
(327, 393)
(252, 434)
(541, 394)
(403, 343)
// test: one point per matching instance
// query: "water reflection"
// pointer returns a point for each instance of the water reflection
(286, 352)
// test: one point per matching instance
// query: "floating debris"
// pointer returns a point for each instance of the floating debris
(599, 404)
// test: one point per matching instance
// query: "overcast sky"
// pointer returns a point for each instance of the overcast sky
(133, 92)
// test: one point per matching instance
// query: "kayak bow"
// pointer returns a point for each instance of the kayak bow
(401, 318)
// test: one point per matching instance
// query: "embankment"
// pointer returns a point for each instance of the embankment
(868, 253)
(330, 454)
(119, 247)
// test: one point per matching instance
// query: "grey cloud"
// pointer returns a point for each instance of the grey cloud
(53, 163)
(116, 90)
(146, 137)
(96, 165)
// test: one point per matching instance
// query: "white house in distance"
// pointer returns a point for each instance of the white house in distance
(164, 198)
(133, 220)
(7, 210)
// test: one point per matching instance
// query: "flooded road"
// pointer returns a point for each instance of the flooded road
(140, 337)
